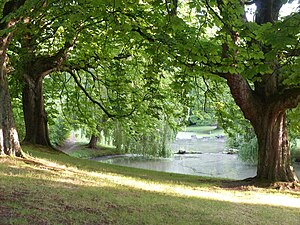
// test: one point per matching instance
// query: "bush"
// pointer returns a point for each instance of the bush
(59, 131)
(248, 150)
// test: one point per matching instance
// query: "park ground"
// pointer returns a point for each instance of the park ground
(51, 187)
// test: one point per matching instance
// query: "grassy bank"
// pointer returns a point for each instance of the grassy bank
(83, 152)
(59, 189)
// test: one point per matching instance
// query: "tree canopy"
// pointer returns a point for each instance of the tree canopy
(141, 62)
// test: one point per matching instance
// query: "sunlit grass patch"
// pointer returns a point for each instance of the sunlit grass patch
(59, 189)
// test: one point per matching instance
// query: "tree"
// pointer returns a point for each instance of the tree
(9, 141)
(93, 142)
(41, 46)
(259, 60)
(167, 47)
(46, 41)
(34, 34)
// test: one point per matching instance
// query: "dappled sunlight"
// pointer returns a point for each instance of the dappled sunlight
(251, 197)
(53, 173)
(74, 176)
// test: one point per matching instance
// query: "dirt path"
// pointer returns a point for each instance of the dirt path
(69, 145)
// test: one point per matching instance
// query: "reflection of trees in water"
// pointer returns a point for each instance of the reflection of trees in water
(207, 145)
(215, 165)
(207, 164)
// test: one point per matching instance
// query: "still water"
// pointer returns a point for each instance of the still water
(207, 159)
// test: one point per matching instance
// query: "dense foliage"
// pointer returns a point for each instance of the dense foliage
(130, 69)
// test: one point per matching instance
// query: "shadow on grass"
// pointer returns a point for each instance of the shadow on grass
(35, 196)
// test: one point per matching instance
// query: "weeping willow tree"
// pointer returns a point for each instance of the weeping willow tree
(151, 139)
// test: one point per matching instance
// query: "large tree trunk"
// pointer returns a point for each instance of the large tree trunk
(9, 140)
(268, 117)
(274, 162)
(35, 68)
(35, 116)
(93, 142)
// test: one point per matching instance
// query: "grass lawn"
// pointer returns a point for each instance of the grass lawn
(83, 152)
(55, 188)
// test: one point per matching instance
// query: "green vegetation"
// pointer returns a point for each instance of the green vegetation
(296, 152)
(82, 151)
(54, 188)
(131, 72)
(204, 131)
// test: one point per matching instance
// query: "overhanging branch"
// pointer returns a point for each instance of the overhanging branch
(88, 95)
(292, 53)
(290, 98)
(244, 97)
(10, 7)
(110, 115)
(144, 35)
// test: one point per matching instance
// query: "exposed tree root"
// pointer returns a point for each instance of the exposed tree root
(92, 147)
(254, 184)
(40, 163)
(28, 159)
(291, 186)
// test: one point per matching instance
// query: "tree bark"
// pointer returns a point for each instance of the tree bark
(9, 140)
(93, 142)
(35, 116)
(274, 162)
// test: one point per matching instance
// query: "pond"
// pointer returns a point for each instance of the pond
(207, 158)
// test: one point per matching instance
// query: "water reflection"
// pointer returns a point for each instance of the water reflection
(210, 160)
(207, 164)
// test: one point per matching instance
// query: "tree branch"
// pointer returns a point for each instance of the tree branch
(88, 95)
(244, 96)
(10, 7)
(144, 35)
(288, 99)
(292, 53)
(45, 64)
(249, 2)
